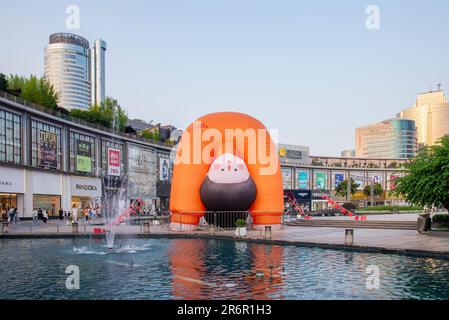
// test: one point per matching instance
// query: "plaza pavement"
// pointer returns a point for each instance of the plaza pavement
(378, 240)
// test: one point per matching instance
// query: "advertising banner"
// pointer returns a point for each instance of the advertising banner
(142, 175)
(339, 177)
(114, 160)
(48, 149)
(320, 180)
(164, 169)
(302, 179)
(83, 156)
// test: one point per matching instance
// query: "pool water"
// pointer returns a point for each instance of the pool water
(211, 269)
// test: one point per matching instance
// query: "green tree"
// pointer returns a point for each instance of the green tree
(3, 82)
(33, 89)
(342, 188)
(150, 135)
(108, 114)
(378, 191)
(426, 182)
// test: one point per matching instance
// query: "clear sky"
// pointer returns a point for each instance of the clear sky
(310, 69)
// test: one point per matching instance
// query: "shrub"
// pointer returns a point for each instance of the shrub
(441, 217)
(240, 223)
(349, 206)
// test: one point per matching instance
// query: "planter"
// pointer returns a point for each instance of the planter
(240, 232)
(440, 225)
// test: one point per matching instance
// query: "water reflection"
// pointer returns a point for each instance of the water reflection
(231, 270)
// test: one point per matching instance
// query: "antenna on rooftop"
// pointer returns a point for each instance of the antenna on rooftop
(439, 86)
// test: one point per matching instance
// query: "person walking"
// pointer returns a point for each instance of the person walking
(39, 214)
(34, 216)
(44, 215)
(11, 215)
(14, 215)
(61, 214)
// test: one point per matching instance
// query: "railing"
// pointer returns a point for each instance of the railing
(64, 116)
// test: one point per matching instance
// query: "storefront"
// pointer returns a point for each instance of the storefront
(50, 203)
(43, 190)
(318, 203)
(12, 188)
(85, 192)
(302, 197)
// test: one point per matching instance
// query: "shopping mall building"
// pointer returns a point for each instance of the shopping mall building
(306, 178)
(50, 160)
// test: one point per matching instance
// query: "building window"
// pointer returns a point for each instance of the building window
(46, 145)
(10, 137)
(82, 153)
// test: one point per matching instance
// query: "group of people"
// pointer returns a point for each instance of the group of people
(40, 214)
(86, 214)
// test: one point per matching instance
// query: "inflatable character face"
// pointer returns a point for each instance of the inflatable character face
(228, 185)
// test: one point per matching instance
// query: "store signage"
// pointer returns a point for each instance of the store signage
(114, 160)
(302, 179)
(48, 149)
(142, 175)
(12, 180)
(86, 187)
(83, 156)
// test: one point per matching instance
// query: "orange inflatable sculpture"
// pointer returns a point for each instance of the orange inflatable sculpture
(225, 162)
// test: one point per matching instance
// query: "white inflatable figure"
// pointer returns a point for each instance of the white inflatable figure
(228, 168)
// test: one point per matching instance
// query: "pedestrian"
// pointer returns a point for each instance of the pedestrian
(61, 214)
(34, 216)
(74, 214)
(39, 214)
(14, 215)
(44, 215)
(11, 215)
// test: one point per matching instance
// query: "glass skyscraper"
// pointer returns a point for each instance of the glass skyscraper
(389, 139)
(67, 69)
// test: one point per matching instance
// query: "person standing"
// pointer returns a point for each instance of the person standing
(74, 214)
(34, 216)
(14, 215)
(61, 214)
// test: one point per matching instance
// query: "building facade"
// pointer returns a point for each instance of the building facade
(431, 116)
(67, 68)
(98, 71)
(54, 162)
(389, 139)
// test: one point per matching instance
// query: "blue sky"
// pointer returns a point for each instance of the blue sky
(307, 68)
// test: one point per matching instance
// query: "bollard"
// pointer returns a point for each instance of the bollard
(57, 228)
(75, 227)
(349, 236)
(5, 227)
(146, 227)
(267, 231)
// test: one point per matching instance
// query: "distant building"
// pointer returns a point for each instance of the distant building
(138, 125)
(67, 69)
(389, 139)
(348, 154)
(431, 116)
(293, 154)
(97, 71)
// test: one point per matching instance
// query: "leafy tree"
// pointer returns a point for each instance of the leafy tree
(342, 187)
(378, 191)
(33, 89)
(150, 135)
(108, 114)
(3, 82)
(427, 180)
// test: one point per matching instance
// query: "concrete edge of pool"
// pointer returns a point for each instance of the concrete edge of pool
(323, 245)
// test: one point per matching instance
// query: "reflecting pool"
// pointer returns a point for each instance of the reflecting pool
(211, 269)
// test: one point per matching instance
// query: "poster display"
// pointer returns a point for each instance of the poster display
(320, 180)
(339, 177)
(83, 156)
(114, 161)
(141, 172)
(164, 169)
(48, 149)
(302, 179)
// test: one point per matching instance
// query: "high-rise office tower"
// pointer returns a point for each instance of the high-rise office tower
(97, 72)
(389, 139)
(431, 115)
(67, 69)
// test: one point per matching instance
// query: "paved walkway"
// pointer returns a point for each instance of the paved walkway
(400, 241)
